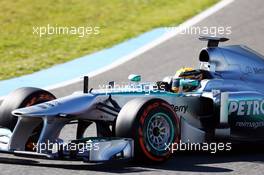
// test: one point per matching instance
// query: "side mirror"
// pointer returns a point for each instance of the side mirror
(134, 78)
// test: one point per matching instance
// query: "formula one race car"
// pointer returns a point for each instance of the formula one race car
(224, 99)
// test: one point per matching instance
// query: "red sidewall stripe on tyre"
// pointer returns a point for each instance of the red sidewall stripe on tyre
(140, 131)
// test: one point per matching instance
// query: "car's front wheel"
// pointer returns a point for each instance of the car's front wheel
(152, 124)
(20, 98)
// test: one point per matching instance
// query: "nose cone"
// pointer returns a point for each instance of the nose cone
(38, 110)
(70, 105)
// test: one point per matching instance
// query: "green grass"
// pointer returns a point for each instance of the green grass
(21, 52)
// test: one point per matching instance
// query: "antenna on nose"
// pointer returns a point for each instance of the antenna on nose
(85, 84)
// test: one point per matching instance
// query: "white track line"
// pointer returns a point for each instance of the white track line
(170, 34)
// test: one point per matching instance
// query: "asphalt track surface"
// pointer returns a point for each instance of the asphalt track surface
(247, 21)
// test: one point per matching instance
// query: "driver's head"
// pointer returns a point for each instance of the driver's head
(190, 74)
(186, 79)
(182, 70)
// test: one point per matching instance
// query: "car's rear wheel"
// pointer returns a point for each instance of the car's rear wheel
(20, 98)
(152, 124)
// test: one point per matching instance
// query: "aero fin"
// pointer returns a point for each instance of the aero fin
(212, 41)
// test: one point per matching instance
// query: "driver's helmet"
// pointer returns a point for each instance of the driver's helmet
(186, 80)
(182, 70)
(189, 73)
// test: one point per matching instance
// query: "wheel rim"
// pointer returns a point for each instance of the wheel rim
(160, 131)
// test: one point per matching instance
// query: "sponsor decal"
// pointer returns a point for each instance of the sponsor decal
(247, 107)
(253, 125)
(255, 70)
(49, 104)
(248, 70)
(258, 70)
(181, 108)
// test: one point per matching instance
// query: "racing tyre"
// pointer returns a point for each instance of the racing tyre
(152, 124)
(19, 98)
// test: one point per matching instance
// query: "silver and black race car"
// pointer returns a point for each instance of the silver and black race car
(223, 99)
